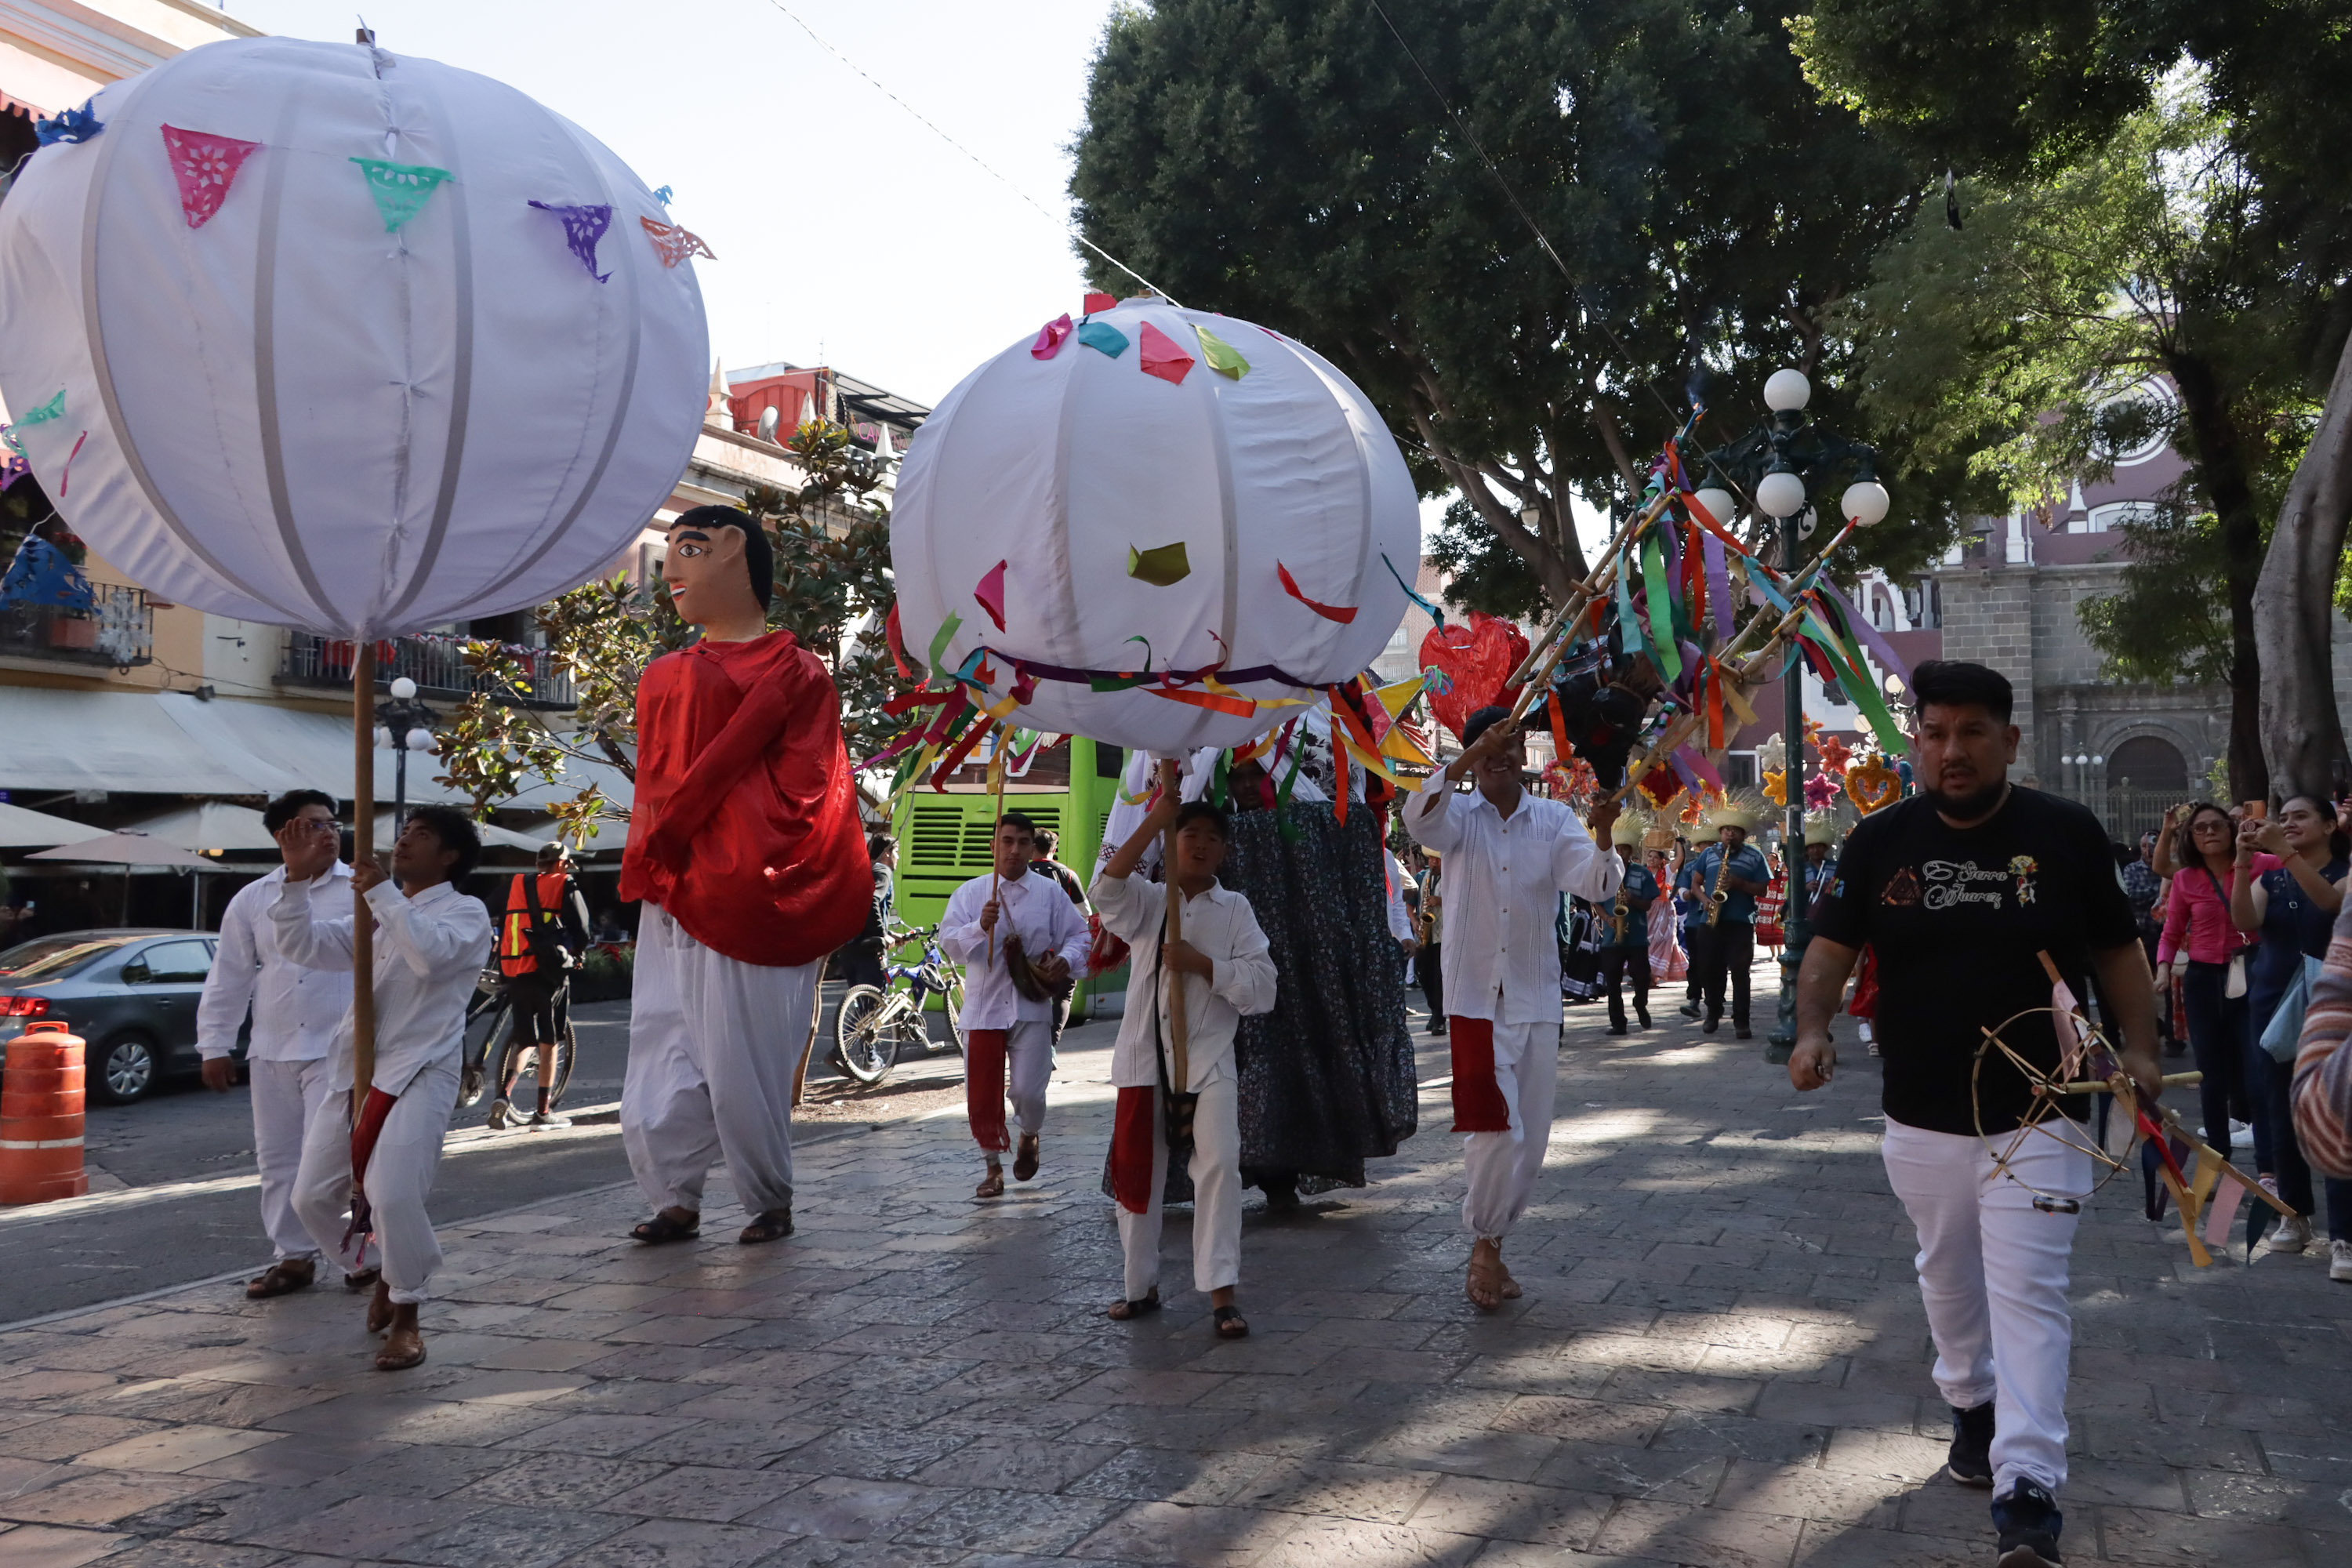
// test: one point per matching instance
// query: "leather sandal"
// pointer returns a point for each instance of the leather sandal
(402, 1350)
(662, 1229)
(992, 1186)
(380, 1310)
(773, 1225)
(1024, 1162)
(364, 1281)
(1231, 1324)
(1143, 1306)
(282, 1277)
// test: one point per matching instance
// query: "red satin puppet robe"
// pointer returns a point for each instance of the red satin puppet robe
(745, 827)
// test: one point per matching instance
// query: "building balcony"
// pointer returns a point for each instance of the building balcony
(116, 633)
(436, 664)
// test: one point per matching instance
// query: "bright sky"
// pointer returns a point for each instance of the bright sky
(848, 233)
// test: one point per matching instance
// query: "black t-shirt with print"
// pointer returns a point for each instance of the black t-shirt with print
(1956, 917)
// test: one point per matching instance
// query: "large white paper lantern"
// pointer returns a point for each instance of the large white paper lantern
(1088, 460)
(305, 351)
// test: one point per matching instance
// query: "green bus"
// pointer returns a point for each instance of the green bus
(943, 837)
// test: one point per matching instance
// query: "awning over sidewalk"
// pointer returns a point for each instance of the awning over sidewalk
(176, 743)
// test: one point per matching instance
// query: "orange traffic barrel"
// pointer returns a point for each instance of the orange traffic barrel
(41, 1117)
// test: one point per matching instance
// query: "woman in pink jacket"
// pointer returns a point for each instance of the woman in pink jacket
(2198, 930)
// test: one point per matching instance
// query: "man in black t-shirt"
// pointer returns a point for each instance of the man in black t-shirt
(1958, 891)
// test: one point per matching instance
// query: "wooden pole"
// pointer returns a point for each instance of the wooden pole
(1181, 1077)
(362, 845)
(996, 795)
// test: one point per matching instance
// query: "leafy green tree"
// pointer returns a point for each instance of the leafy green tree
(2016, 342)
(1285, 160)
(2032, 93)
(831, 539)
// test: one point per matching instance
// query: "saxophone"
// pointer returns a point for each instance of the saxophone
(1716, 895)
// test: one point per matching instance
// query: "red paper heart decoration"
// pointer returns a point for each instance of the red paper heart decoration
(1474, 661)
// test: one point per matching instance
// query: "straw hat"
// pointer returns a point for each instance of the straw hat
(1736, 811)
(1629, 828)
(1821, 827)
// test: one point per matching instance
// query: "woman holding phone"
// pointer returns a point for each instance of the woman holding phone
(2199, 935)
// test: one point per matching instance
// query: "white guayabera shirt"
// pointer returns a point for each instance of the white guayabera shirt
(429, 951)
(295, 1008)
(1501, 958)
(1034, 908)
(1219, 924)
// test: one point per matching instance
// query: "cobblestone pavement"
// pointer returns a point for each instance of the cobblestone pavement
(1720, 1360)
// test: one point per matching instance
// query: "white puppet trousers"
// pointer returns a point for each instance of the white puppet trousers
(1502, 1167)
(1992, 1272)
(1216, 1170)
(714, 1043)
(287, 1097)
(399, 1177)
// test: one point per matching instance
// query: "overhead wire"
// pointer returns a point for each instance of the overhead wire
(1067, 227)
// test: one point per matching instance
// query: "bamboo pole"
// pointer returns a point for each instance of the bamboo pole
(362, 845)
(995, 822)
(1547, 647)
(1180, 1079)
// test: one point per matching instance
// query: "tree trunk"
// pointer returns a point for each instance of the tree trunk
(2221, 473)
(2294, 609)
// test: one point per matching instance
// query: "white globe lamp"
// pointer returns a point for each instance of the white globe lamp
(1720, 503)
(420, 739)
(1865, 502)
(1787, 391)
(403, 688)
(1780, 493)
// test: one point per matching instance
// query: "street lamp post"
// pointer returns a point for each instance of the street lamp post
(1778, 463)
(403, 725)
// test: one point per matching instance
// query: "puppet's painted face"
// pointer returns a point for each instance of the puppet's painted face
(709, 581)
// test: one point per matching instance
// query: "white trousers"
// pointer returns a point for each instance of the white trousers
(713, 1046)
(288, 1096)
(1029, 1067)
(1992, 1272)
(1216, 1197)
(399, 1176)
(1502, 1167)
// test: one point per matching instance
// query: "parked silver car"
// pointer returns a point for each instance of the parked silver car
(131, 994)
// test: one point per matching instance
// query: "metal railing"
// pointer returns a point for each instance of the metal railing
(117, 631)
(2130, 810)
(437, 665)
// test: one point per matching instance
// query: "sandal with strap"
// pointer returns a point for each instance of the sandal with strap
(662, 1229)
(1024, 1162)
(992, 1186)
(1231, 1324)
(773, 1225)
(1143, 1306)
(282, 1277)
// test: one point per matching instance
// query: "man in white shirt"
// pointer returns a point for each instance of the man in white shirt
(1224, 965)
(431, 941)
(295, 1011)
(1508, 856)
(1018, 937)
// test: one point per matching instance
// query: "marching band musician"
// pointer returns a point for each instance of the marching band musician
(1724, 878)
(1508, 856)
(1625, 938)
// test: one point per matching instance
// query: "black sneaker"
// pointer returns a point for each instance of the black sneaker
(1643, 1014)
(1690, 1009)
(1970, 1459)
(2029, 1521)
(1618, 1027)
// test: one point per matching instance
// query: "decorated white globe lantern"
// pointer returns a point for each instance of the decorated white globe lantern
(1156, 495)
(319, 335)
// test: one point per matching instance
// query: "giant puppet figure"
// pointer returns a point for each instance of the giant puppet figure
(745, 845)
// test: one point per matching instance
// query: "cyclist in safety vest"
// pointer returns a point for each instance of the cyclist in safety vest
(540, 937)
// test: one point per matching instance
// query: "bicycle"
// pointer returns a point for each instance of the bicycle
(874, 1023)
(499, 1056)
